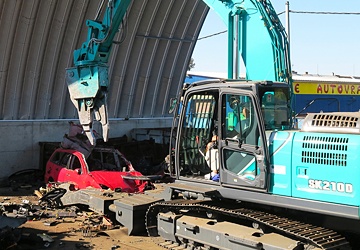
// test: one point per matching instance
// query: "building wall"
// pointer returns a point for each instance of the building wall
(313, 96)
(20, 147)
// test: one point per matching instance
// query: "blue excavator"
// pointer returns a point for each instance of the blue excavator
(244, 178)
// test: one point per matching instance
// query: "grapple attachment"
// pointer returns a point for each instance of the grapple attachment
(88, 86)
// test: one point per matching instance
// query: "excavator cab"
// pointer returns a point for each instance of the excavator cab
(237, 116)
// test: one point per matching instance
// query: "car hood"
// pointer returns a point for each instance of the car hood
(114, 180)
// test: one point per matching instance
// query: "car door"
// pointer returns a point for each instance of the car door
(71, 170)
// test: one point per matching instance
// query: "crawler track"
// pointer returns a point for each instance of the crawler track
(309, 234)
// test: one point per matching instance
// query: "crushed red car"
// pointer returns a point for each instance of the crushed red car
(105, 168)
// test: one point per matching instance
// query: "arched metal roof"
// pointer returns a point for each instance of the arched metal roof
(37, 39)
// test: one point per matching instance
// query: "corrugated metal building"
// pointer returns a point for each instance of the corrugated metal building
(36, 45)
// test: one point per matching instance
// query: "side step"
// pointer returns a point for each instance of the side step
(130, 211)
(189, 191)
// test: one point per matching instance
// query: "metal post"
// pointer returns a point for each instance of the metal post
(231, 47)
(287, 21)
(237, 40)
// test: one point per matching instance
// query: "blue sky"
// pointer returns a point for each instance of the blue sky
(320, 44)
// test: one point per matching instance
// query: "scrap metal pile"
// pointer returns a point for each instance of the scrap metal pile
(41, 221)
(54, 203)
(105, 167)
(15, 212)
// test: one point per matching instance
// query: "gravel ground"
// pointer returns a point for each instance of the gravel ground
(67, 232)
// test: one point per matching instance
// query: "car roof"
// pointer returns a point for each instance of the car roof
(96, 149)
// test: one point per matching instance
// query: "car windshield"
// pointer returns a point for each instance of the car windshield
(103, 160)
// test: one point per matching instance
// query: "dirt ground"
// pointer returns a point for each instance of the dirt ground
(69, 231)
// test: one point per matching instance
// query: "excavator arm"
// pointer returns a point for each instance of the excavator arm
(88, 80)
(255, 36)
(254, 32)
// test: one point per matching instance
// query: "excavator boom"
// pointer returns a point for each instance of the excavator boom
(88, 81)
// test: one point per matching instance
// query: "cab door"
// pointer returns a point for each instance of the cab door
(242, 148)
(196, 129)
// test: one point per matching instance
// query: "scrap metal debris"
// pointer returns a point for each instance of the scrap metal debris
(45, 206)
(52, 197)
(11, 222)
(9, 232)
(26, 179)
(9, 237)
(76, 139)
(46, 237)
(52, 206)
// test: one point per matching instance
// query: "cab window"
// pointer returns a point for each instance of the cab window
(240, 119)
(242, 164)
(275, 109)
